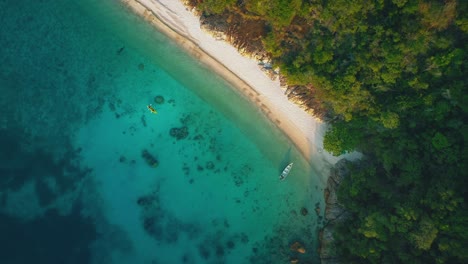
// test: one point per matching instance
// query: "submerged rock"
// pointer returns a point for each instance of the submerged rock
(204, 252)
(209, 165)
(145, 200)
(159, 99)
(298, 247)
(150, 159)
(179, 133)
(230, 244)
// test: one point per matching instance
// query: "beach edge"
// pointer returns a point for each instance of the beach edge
(305, 131)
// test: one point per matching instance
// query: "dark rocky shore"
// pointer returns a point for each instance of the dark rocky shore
(245, 33)
(334, 213)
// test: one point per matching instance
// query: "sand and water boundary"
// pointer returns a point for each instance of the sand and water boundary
(174, 20)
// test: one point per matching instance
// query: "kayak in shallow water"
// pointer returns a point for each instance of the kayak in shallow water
(151, 108)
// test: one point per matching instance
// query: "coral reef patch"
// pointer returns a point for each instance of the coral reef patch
(159, 99)
(179, 132)
(149, 158)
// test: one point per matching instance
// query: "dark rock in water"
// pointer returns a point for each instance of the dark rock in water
(230, 244)
(219, 251)
(150, 159)
(153, 228)
(185, 258)
(304, 211)
(145, 200)
(204, 251)
(112, 106)
(159, 99)
(238, 181)
(298, 247)
(141, 66)
(209, 165)
(179, 133)
(198, 137)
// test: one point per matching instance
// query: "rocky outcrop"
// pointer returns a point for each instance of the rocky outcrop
(298, 247)
(242, 33)
(245, 32)
(334, 213)
(304, 97)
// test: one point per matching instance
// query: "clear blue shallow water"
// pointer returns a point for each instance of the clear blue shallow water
(79, 180)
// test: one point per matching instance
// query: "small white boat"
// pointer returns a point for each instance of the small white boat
(286, 171)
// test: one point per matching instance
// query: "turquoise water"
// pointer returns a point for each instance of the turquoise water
(89, 175)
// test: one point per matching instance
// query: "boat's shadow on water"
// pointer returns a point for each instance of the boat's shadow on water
(285, 161)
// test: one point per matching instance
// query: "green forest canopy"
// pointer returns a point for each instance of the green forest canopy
(392, 73)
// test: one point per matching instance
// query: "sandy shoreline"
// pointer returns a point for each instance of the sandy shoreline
(173, 19)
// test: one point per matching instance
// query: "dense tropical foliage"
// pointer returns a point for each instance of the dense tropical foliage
(392, 74)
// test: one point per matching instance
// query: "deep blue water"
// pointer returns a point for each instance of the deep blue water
(89, 175)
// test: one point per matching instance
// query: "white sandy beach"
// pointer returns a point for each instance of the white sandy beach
(175, 20)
